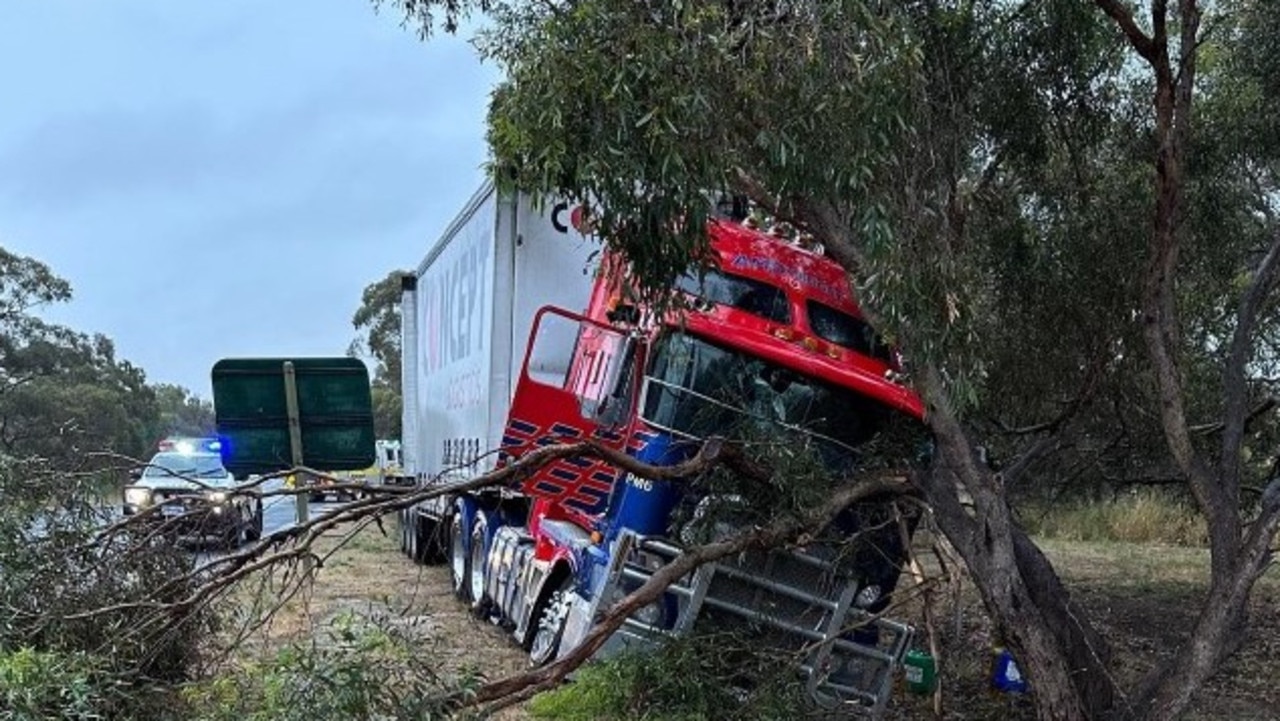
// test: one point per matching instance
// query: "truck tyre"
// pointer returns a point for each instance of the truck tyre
(458, 561)
(411, 534)
(431, 547)
(476, 567)
(420, 541)
(253, 531)
(549, 620)
(401, 515)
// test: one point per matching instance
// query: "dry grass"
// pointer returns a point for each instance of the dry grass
(1143, 516)
(366, 574)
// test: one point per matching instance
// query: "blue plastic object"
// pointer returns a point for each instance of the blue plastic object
(1006, 677)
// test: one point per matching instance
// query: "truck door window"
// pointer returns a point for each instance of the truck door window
(598, 372)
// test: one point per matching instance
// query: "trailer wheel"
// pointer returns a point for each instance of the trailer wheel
(403, 518)
(431, 545)
(423, 542)
(548, 624)
(458, 558)
(476, 567)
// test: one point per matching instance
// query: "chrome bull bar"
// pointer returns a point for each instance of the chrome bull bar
(795, 601)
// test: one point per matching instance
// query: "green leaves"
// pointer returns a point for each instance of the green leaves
(41, 685)
(363, 668)
(644, 110)
(378, 322)
(63, 392)
(982, 168)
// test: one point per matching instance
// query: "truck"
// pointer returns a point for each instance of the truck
(387, 468)
(520, 330)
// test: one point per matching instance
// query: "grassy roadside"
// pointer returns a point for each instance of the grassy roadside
(367, 575)
(1143, 597)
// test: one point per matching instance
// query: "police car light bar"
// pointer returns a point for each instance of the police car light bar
(189, 446)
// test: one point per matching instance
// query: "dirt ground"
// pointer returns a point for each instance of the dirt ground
(1144, 600)
(1143, 597)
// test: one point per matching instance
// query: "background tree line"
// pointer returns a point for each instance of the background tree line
(64, 394)
(377, 323)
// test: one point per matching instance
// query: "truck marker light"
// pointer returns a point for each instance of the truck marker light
(596, 538)
(783, 333)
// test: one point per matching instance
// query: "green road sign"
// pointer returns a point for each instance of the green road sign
(276, 413)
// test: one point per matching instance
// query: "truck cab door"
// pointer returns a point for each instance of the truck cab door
(577, 383)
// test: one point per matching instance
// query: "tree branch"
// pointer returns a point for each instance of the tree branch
(231, 568)
(1234, 384)
(1136, 37)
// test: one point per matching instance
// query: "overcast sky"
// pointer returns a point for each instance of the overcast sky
(222, 179)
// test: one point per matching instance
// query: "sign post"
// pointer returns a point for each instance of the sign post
(274, 414)
(295, 436)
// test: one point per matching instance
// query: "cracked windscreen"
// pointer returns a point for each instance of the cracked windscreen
(698, 389)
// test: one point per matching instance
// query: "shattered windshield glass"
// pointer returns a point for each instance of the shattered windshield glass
(700, 389)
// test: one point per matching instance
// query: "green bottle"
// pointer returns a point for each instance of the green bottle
(921, 672)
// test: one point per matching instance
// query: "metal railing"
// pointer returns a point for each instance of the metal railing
(793, 602)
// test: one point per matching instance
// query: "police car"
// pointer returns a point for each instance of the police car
(187, 488)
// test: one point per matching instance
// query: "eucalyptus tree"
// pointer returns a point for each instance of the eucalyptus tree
(377, 320)
(1063, 212)
(63, 393)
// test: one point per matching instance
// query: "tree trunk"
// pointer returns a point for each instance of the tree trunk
(988, 544)
(1087, 652)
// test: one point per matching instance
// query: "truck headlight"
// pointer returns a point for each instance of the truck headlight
(137, 496)
(218, 496)
(866, 596)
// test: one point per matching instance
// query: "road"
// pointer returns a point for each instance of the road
(278, 513)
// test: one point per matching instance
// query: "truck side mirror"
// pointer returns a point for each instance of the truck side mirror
(135, 474)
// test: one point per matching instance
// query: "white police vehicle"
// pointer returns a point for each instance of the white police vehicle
(186, 487)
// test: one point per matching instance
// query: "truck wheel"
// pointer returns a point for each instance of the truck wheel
(458, 558)
(403, 517)
(476, 567)
(548, 625)
(431, 549)
(423, 551)
(254, 530)
(411, 535)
